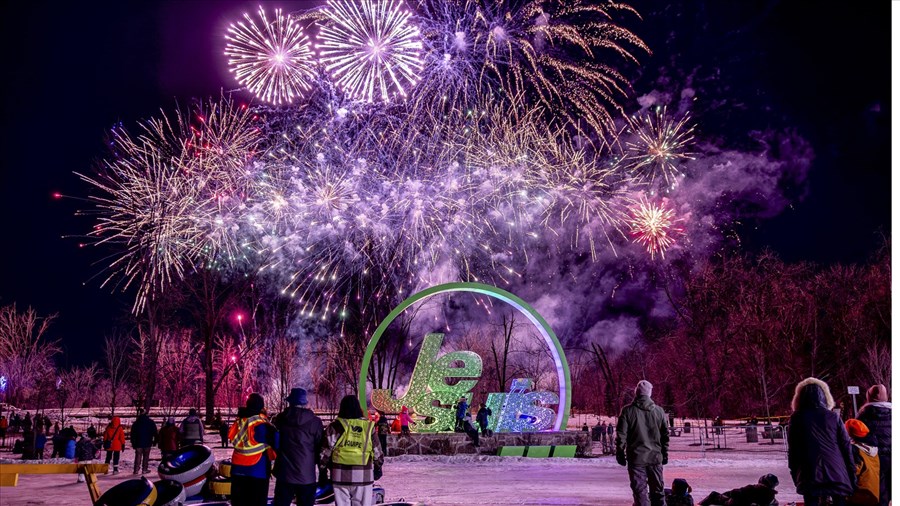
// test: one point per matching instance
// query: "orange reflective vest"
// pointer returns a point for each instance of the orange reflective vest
(247, 450)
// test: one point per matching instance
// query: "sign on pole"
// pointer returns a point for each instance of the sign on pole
(853, 391)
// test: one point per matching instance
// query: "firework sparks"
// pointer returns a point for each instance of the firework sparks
(654, 225)
(272, 59)
(171, 196)
(553, 51)
(661, 143)
(370, 48)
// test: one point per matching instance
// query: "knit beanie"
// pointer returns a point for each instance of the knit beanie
(856, 428)
(877, 393)
(255, 403)
(643, 388)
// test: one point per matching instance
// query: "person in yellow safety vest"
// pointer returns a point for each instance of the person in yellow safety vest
(254, 440)
(865, 456)
(353, 455)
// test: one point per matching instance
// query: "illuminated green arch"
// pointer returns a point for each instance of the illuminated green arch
(556, 349)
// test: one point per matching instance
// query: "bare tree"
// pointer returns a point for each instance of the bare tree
(116, 357)
(26, 355)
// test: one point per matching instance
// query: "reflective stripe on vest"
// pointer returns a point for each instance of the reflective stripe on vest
(247, 450)
(354, 446)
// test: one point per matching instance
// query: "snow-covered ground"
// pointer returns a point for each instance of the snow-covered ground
(473, 480)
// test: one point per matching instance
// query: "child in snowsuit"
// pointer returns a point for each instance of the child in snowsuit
(868, 467)
(679, 494)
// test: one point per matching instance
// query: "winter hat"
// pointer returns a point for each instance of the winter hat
(255, 403)
(643, 387)
(877, 393)
(297, 397)
(404, 409)
(192, 412)
(856, 428)
(680, 487)
(769, 480)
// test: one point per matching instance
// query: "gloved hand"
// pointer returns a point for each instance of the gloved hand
(620, 458)
(665, 459)
(323, 475)
(378, 473)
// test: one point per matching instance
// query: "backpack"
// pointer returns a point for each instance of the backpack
(354, 446)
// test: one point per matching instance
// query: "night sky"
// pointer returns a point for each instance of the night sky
(73, 70)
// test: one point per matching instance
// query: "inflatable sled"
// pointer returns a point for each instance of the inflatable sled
(137, 492)
(225, 468)
(169, 493)
(188, 466)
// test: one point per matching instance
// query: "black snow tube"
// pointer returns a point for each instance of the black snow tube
(137, 492)
(325, 493)
(187, 464)
(169, 493)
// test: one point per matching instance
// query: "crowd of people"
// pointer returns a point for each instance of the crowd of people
(832, 462)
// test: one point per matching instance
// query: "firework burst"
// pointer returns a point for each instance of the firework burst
(171, 197)
(370, 47)
(654, 225)
(661, 143)
(555, 52)
(272, 59)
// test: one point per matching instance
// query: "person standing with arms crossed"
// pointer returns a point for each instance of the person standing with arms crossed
(642, 444)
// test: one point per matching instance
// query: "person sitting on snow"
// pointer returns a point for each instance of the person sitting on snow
(679, 494)
(761, 493)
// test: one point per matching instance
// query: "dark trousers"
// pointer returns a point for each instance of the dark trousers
(114, 457)
(141, 460)
(247, 491)
(382, 438)
(285, 492)
(647, 485)
(812, 500)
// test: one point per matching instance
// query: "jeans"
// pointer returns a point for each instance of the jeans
(813, 500)
(285, 492)
(353, 495)
(142, 456)
(644, 478)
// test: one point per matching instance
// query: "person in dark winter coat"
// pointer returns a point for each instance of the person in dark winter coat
(143, 437)
(352, 454)
(254, 440)
(819, 453)
(876, 414)
(461, 408)
(642, 443)
(92, 432)
(300, 435)
(86, 451)
(191, 429)
(761, 493)
(470, 429)
(482, 419)
(383, 428)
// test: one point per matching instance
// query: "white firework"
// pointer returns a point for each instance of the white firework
(273, 59)
(370, 48)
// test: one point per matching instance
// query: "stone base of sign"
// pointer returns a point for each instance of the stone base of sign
(450, 443)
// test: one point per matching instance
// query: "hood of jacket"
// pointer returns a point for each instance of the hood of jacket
(116, 421)
(812, 393)
(644, 402)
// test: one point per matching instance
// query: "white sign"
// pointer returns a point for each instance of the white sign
(853, 390)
